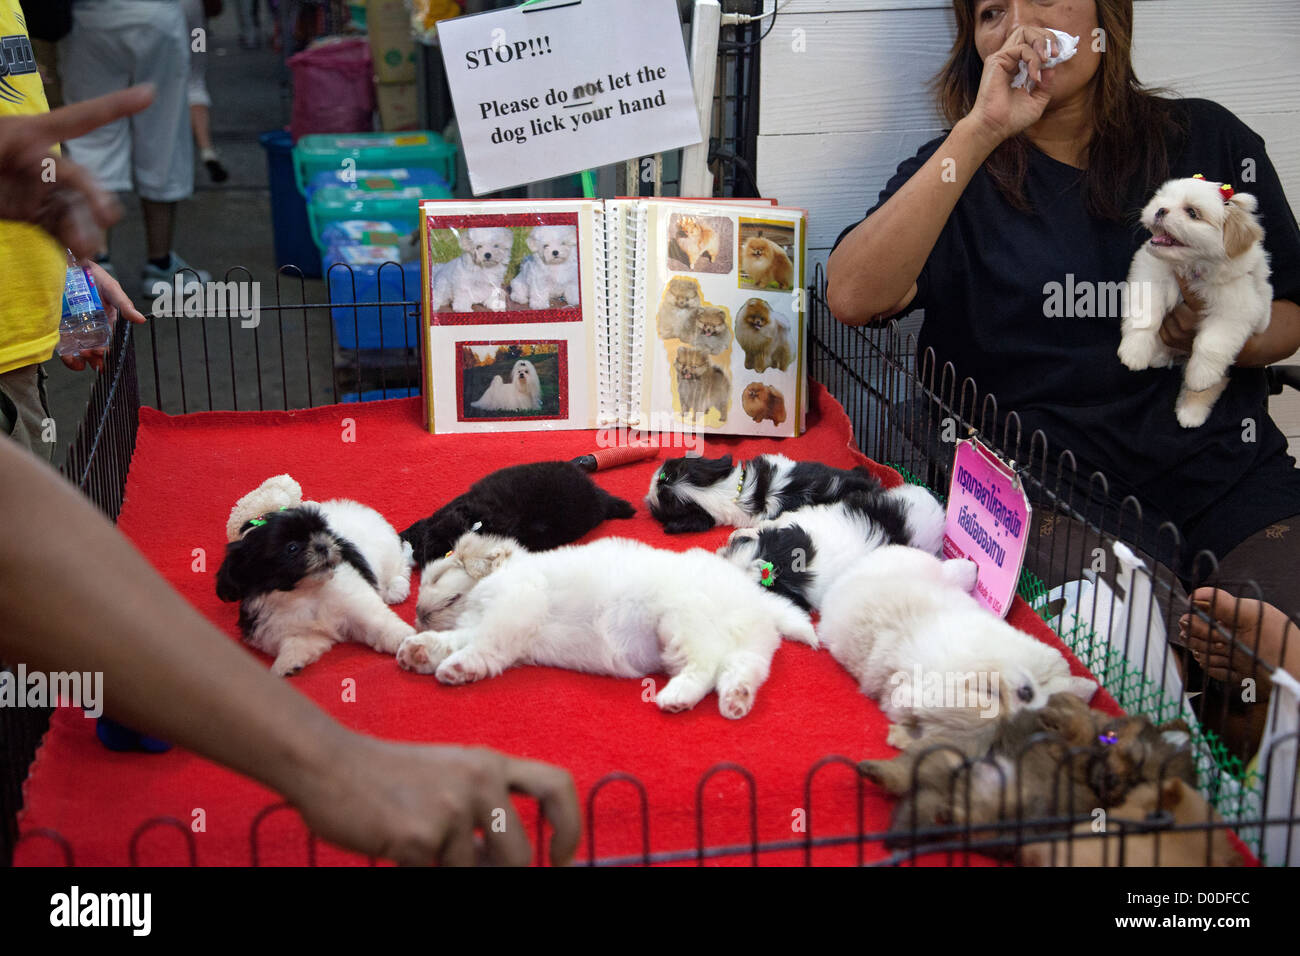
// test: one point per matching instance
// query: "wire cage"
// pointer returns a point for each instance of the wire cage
(954, 804)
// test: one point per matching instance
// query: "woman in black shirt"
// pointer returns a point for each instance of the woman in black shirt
(1010, 232)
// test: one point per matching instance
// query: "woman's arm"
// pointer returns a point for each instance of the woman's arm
(872, 274)
(75, 595)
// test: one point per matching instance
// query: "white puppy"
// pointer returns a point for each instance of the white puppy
(522, 392)
(900, 615)
(1207, 235)
(692, 615)
(446, 582)
(551, 272)
(477, 276)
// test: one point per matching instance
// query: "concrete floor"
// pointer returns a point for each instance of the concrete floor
(220, 228)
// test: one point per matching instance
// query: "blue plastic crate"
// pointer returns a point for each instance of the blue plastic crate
(372, 325)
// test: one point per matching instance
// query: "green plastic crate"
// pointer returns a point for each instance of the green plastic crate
(337, 203)
(417, 149)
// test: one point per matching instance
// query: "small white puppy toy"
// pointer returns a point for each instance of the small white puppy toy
(1067, 45)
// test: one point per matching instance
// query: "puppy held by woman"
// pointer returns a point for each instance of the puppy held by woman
(1051, 179)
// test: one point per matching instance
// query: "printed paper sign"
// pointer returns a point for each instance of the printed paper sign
(548, 90)
(988, 522)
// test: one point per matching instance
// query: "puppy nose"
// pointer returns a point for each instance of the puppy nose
(1161, 213)
(487, 256)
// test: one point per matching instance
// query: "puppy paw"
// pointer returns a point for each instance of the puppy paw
(736, 701)
(422, 653)
(282, 668)
(1136, 352)
(961, 573)
(463, 667)
(1192, 416)
(497, 301)
(673, 700)
(398, 590)
(902, 736)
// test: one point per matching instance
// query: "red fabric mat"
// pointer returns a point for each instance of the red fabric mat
(187, 473)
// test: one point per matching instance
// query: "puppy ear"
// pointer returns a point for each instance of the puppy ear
(232, 576)
(466, 243)
(1081, 688)
(1171, 793)
(532, 243)
(1240, 230)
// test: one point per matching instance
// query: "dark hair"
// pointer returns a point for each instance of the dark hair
(1118, 161)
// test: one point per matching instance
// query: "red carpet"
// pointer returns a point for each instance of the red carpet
(186, 474)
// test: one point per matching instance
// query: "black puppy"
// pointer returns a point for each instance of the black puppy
(541, 505)
(695, 494)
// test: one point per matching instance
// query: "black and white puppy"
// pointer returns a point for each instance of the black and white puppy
(308, 575)
(541, 505)
(800, 553)
(695, 494)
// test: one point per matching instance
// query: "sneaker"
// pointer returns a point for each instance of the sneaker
(152, 274)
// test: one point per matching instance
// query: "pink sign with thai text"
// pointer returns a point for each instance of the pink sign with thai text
(988, 522)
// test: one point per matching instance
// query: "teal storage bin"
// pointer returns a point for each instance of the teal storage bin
(417, 149)
(337, 203)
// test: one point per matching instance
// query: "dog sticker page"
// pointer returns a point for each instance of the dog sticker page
(723, 319)
(510, 314)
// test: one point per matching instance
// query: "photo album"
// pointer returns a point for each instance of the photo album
(657, 315)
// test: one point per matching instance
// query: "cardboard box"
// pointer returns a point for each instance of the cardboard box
(398, 106)
(391, 45)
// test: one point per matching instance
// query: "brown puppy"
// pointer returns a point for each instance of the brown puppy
(701, 385)
(763, 403)
(766, 264)
(764, 336)
(1174, 797)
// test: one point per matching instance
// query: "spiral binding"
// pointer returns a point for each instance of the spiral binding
(635, 316)
(608, 321)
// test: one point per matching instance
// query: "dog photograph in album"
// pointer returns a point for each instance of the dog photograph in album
(700, 244)
(512, 380)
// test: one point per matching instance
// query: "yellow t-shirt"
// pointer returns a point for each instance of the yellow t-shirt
(32, 265)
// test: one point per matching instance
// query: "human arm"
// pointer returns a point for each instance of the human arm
(77, 596)
(1258, 633)
(1275, 344)
(873, 272)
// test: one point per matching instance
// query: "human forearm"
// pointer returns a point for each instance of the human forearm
(1276, 343)
(871, 273)
(77, 596)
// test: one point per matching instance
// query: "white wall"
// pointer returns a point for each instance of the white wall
(838, 116)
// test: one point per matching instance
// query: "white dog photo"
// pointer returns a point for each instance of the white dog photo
(523, 391)
(478, 275)
(692, 615)
(551, 272)
(900, 614)
(1207, 235)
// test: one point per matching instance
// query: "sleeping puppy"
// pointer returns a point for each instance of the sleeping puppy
(541, 505)
(800, 553)
(763, 403)
(618, 607)
(308, 575)
(446, 582)
(695, 494)
(477, 276)
(899, 616)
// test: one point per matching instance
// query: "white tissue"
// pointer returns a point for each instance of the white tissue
(1067, 45)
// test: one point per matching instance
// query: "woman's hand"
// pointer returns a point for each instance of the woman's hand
(1001, 112)
(1277, 343)
(1178, 330)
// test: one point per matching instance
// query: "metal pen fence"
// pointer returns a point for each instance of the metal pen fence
(900, 405)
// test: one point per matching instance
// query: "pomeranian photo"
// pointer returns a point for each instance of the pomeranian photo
(1207, 235)
(708, 331)
(676, 317)
(763, 403)
(701, 385)
(697, 240)
(764, 336)
(765, 264)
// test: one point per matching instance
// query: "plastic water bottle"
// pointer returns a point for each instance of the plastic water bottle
(85, 324)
